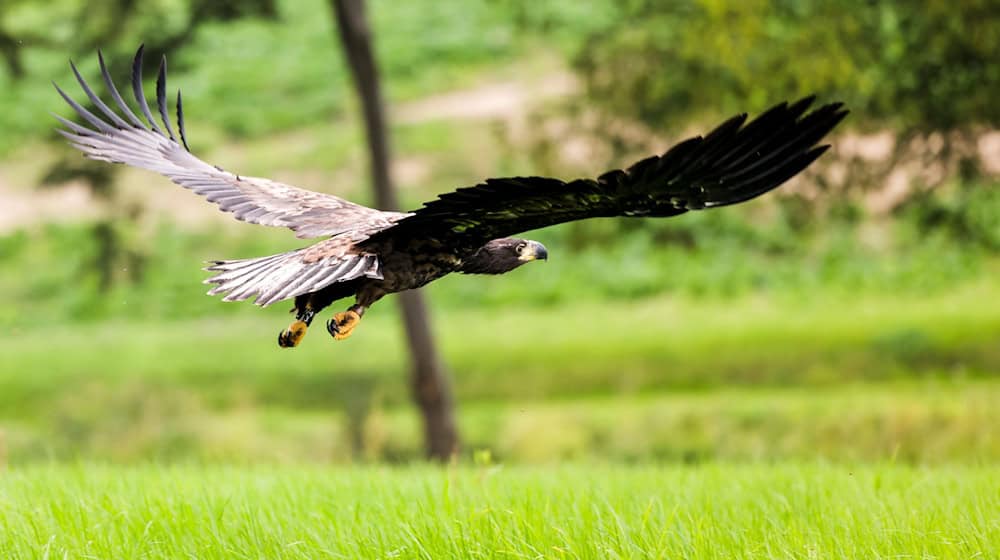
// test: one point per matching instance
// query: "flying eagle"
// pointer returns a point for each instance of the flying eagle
(368, 253)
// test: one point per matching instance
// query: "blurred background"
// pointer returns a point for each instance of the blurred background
(853, 315)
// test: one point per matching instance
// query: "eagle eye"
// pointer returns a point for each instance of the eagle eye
(520, 248)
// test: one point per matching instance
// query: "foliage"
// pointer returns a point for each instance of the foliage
(916, 66)
(922, 73)
(921, 66)
(969, 214)
(243, 72)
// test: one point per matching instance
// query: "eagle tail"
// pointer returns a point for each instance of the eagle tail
(286, 275)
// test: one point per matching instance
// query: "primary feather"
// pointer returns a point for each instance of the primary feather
(732, 164)
(111, 138)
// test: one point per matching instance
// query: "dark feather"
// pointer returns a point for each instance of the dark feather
(161, 96)
(735, 162)
(84, 113)
(180, 121)
(115, 119)
(110, 84)
(140, 95)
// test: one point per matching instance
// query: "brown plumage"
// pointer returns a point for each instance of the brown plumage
(369, 253)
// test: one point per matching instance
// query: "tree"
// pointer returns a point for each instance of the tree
(916, 66)
(429, 380)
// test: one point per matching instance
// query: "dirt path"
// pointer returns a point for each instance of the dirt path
(22, 207)
(496, 100)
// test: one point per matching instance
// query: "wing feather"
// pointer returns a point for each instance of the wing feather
(286, 275)
(122, 137)
(110, 84)
(137, 92)
(737, 161)
(161, 97)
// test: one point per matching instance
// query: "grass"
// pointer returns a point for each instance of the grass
(927, 422)
(662, 378)
(720, 510)
(536, 352)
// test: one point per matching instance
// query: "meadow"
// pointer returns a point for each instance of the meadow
(719, 510)
(880, 376)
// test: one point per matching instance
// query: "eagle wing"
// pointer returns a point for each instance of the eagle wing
(125, 138)
(286, 275)
(733, 163)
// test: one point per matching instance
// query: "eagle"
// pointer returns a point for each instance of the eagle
(368, 253)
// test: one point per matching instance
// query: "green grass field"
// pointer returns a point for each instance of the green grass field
(873, 377)
(522, 351)
(783, 510)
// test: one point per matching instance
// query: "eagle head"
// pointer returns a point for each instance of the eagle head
(503, 255)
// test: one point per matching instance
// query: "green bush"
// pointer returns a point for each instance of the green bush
(916, 66)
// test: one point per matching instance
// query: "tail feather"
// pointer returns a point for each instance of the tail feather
(285, 275)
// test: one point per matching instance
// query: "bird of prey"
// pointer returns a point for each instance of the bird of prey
(369, 253)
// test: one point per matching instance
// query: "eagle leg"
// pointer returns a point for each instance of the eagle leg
(342, 324)
(293, 335)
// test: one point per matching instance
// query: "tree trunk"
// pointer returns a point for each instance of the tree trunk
(429, 380)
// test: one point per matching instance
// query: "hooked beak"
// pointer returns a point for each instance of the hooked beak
(535, 251)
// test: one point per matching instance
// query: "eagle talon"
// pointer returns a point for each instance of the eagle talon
(342, 324)
(292, 336)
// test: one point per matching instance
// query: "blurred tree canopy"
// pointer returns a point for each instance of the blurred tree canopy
(916, 66)
(82, 26)
(924, 74)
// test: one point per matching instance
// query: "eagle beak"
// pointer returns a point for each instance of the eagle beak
(535, 251)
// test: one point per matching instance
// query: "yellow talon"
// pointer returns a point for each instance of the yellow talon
(342, 324)
(292, 336)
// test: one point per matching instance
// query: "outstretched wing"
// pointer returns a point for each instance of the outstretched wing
(122, 137)
(732, 164)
